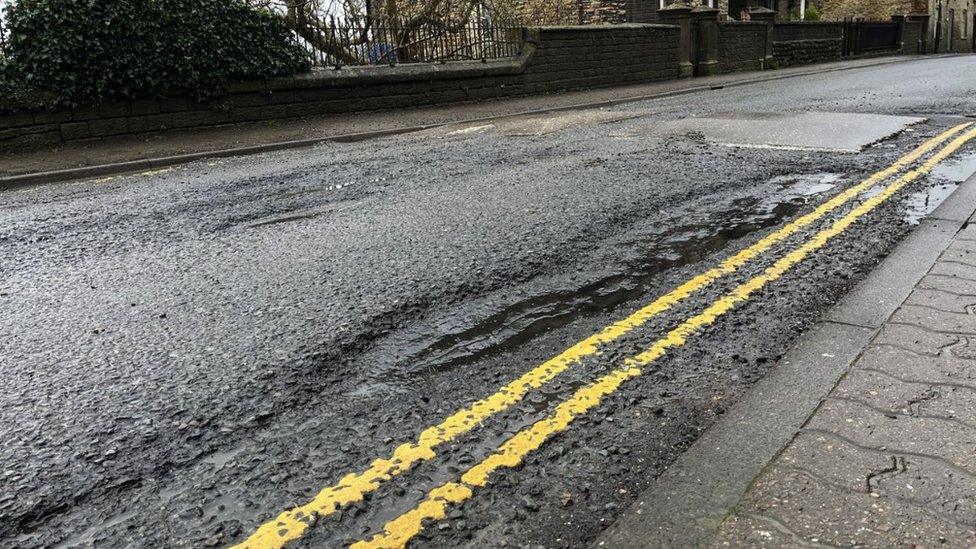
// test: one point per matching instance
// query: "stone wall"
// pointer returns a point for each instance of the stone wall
(554, 59)
(598, 12)
(642, 11)
(800, 43)
(741, 46)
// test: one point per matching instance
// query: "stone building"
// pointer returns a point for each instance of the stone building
(645, 11)
(951, 25)
(951, 22)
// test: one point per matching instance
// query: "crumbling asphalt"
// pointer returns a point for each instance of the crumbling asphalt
(188, 353)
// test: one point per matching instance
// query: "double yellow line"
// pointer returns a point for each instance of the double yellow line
(293, 523)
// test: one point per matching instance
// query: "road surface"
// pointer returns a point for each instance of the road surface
(191, 353)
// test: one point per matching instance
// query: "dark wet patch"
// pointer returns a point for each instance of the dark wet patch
(921, 203)
(958, 168)
(944, 179)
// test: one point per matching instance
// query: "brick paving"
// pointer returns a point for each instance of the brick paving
(889, 458)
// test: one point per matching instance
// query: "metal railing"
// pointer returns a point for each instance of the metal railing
(387, 42)
(862, 36)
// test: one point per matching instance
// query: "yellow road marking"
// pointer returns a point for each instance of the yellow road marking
(510, 454)
(293, 523)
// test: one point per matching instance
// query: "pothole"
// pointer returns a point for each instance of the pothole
(516, 324)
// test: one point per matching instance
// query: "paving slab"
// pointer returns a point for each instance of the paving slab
(907, 338)
(909, 398)
(941, 299)
(949, 277)
(902, 363)
(930, 318)
(938, 438)
(768, 518)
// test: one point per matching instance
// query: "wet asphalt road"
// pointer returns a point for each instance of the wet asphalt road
(186, 354)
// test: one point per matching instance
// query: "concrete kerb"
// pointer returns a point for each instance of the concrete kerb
(686, 505)
(120, 168)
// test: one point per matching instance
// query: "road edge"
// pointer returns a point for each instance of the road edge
(686, 505)
(119, 168)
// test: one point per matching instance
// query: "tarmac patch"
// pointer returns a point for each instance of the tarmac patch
(815, 131)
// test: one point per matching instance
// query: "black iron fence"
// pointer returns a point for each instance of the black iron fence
(870, 36)
(394, 42)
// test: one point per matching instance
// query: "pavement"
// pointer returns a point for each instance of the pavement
(101, 157)
(488, 333)
(888, 458)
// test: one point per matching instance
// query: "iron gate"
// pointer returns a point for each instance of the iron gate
(870, 36)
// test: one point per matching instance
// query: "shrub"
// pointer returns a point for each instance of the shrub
(812, 14)
(64, 53)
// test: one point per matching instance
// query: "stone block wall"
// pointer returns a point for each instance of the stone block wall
(741, 46)
(800, 43)
(642, 11)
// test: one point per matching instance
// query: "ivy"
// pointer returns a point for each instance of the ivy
(69, 53)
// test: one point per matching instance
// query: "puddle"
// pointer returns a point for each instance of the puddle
(948, 175)
(472, 129)
(521, 322)
(957, 169)
(223, 457)
(808, 184)
(872, 192)
(921, 203)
